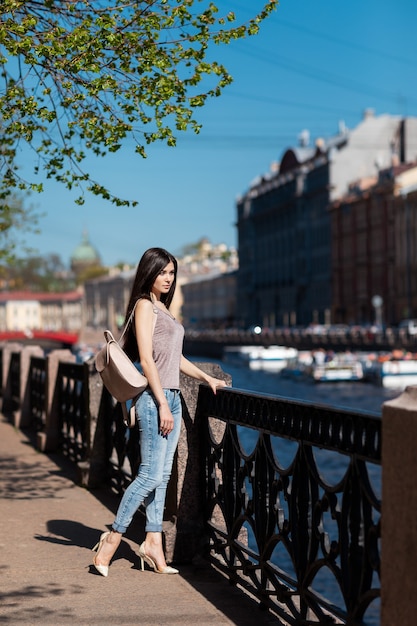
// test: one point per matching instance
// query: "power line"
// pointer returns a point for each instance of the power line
(318, 75)
(344, 42)
(354, 45)
(291, 103)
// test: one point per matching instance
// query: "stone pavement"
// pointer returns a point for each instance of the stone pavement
(48, 525)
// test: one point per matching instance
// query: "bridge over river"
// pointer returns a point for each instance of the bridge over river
(211, 343)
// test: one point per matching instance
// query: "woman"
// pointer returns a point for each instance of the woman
(155, 338)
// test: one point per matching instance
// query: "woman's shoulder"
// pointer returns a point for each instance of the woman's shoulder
(145, 305)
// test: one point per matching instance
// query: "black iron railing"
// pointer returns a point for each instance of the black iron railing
(122, 444)
(13, 382)
(38, 389)
(291, 490)
(297, 530)
(74, 414)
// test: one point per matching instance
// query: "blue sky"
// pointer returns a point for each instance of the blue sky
(313, 65)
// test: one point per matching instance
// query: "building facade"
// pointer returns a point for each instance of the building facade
(106, 300)
(106, 297)
(26, 311)
(284, 220)
(210, 302)
(374, 257)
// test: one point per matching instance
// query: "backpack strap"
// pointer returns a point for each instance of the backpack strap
(126, 326)
(129, 415)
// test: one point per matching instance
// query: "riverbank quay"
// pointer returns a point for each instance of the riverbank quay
(48, 525)
(250, 491)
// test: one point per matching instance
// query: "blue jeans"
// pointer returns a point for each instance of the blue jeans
(157, 455)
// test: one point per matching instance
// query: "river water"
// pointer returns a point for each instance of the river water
(351, 395)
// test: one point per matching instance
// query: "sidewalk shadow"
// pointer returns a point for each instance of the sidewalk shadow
(69, 533)
(231, 600)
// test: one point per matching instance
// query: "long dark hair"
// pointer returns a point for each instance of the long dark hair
(150, 266)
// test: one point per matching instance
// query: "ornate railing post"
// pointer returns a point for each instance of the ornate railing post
(399, 510)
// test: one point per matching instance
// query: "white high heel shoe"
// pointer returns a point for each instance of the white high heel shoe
(144, 557)
(102, 569)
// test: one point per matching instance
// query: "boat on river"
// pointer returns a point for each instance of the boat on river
(392, 371)
(337, 370)
(272, 358)
(321, 367)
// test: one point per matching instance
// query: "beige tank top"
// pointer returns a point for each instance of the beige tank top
(167, 344)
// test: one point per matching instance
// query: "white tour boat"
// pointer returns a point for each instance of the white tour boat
(393, 373)
(273, 358)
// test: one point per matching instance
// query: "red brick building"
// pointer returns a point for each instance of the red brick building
(374, 248)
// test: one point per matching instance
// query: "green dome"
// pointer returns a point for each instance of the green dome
(85, 252)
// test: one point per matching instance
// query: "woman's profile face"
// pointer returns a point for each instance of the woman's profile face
(163, 281)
